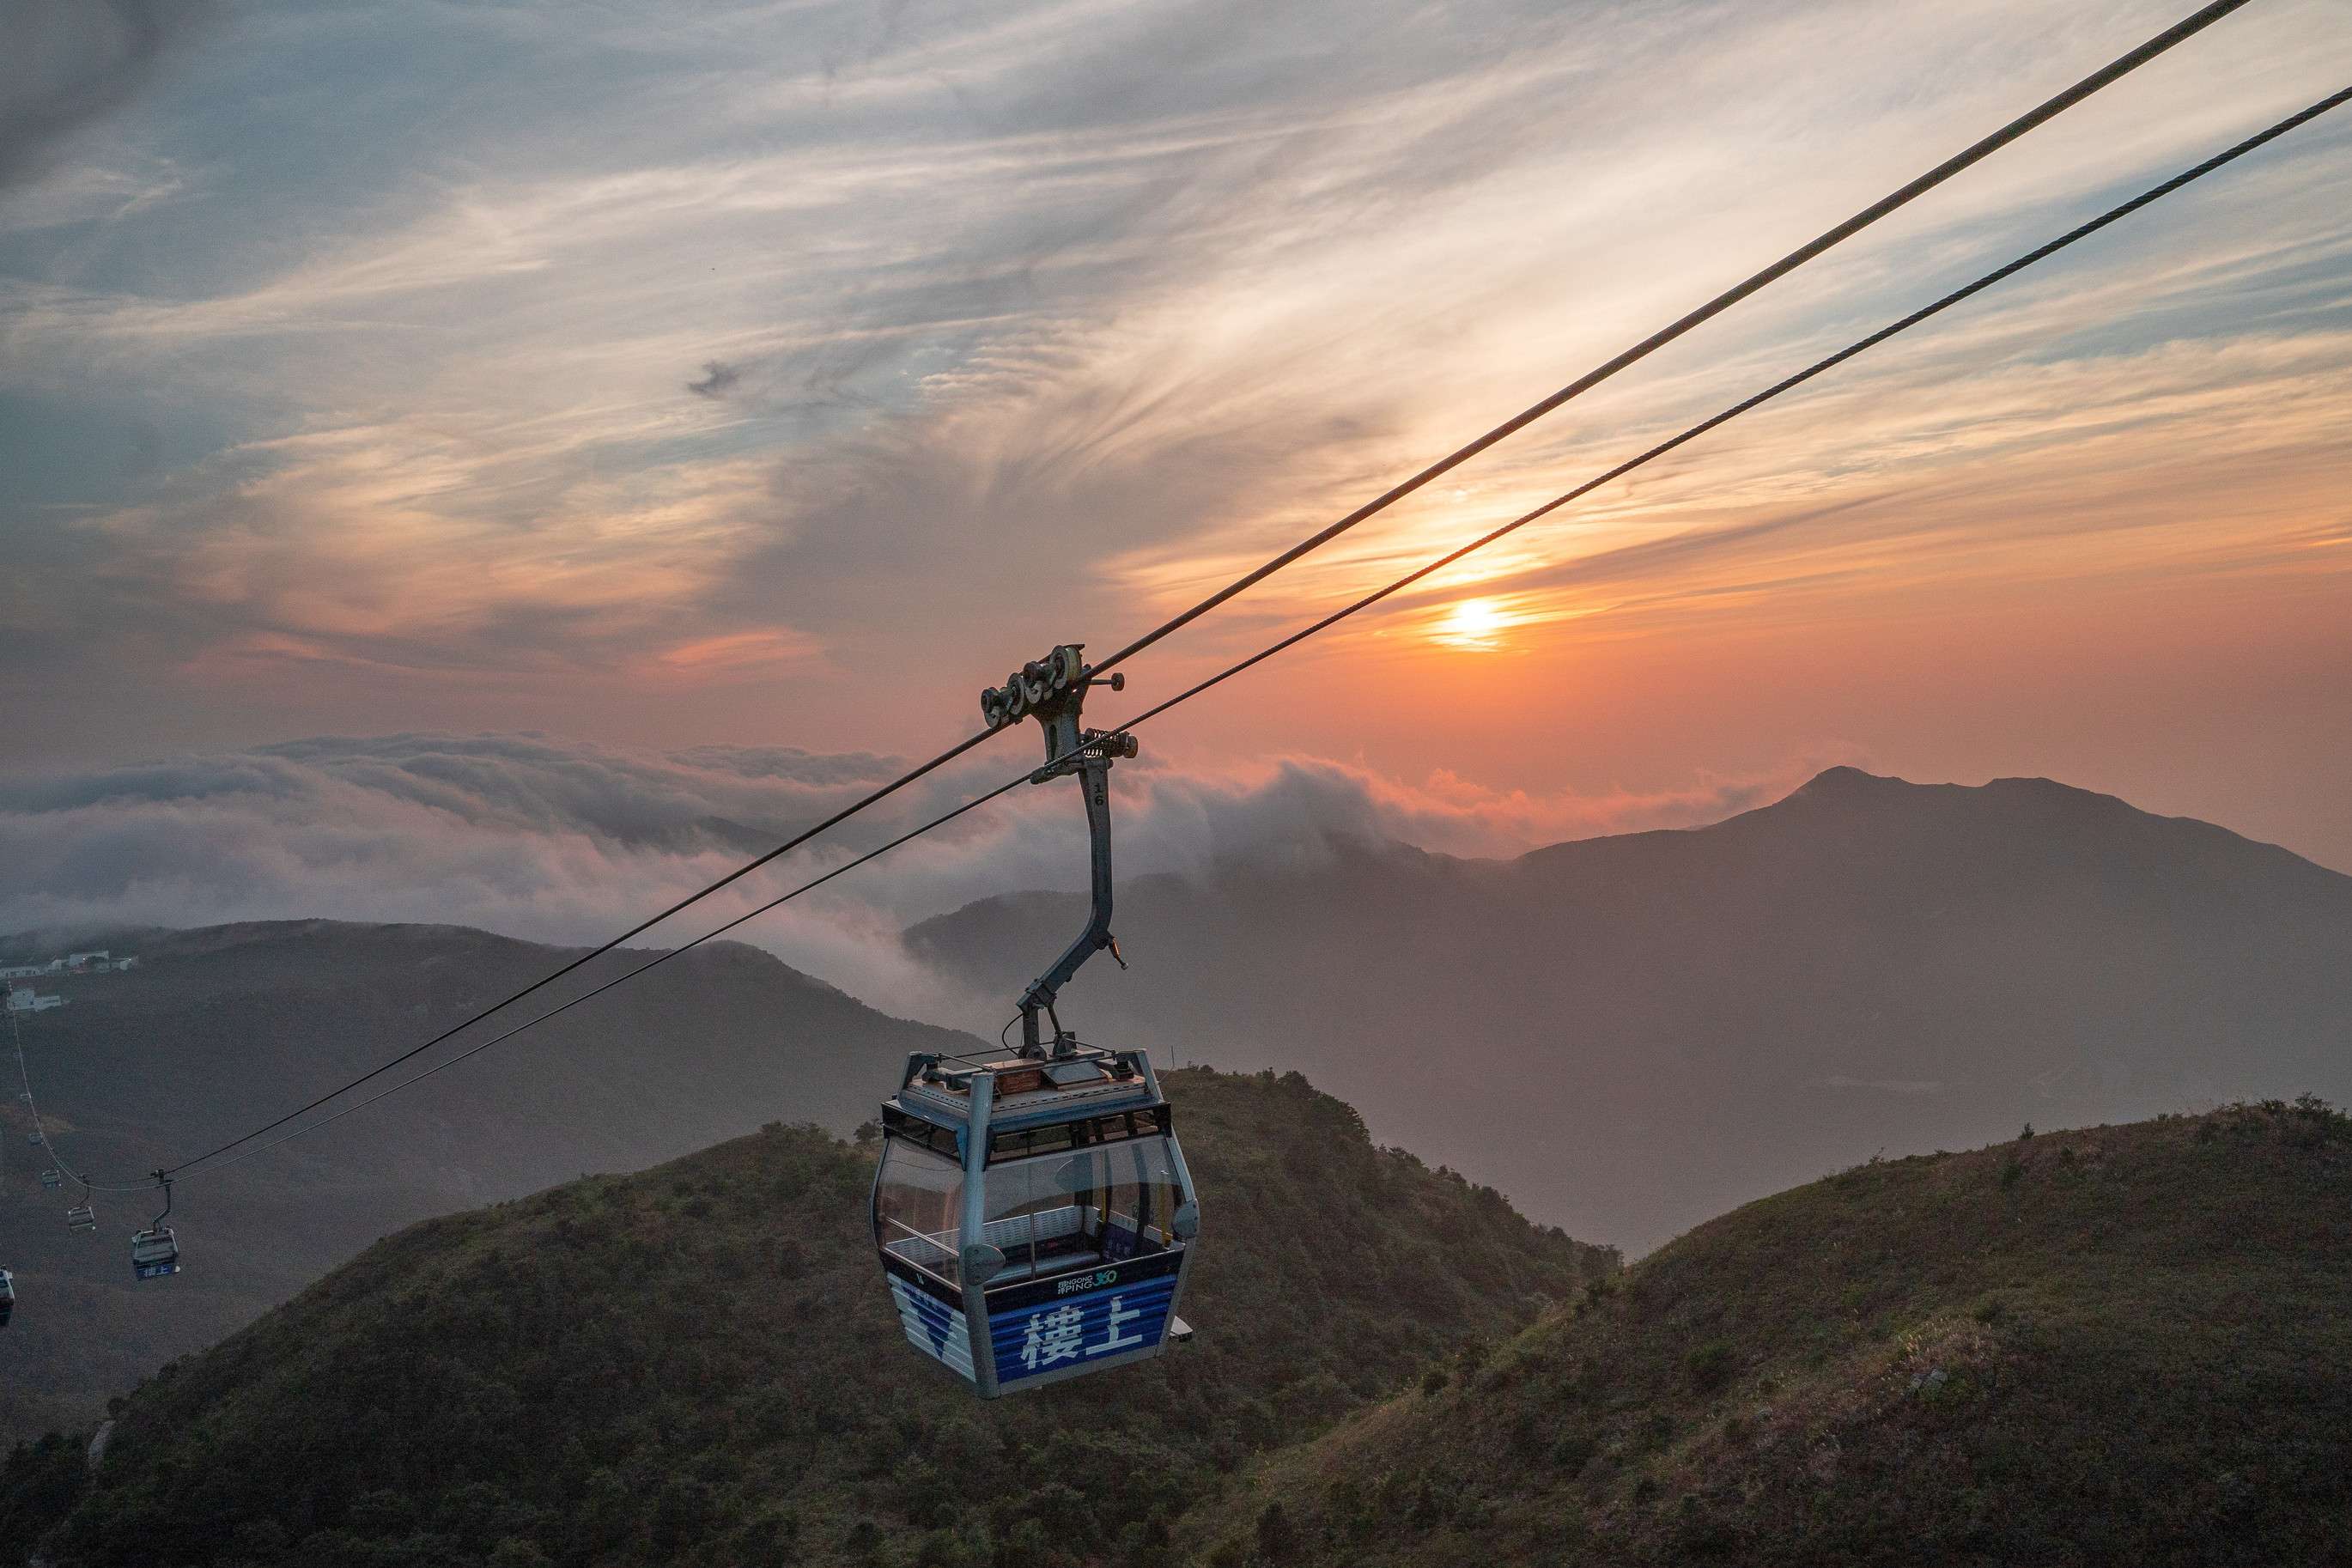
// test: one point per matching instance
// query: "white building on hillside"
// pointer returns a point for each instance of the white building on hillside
(72, 964)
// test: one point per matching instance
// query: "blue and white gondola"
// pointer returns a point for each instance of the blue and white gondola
(1070, 1175)
(1033, 1213)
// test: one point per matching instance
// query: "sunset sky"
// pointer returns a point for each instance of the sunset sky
(689, 386)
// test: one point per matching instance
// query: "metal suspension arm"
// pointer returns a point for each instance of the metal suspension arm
(1053, 691)
(1094, 784)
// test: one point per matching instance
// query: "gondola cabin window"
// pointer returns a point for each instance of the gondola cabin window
(1051, 1212)
(918, 1207)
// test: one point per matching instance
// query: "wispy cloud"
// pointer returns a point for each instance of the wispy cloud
(586, 369)
(70, 62)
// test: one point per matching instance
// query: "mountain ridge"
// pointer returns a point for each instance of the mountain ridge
(1701, 1013)
(2091, 1345)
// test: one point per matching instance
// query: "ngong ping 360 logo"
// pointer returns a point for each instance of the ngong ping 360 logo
(1095, 1281)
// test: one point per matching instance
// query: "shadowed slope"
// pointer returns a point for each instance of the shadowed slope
(699, 1364)
(220, 1028)
(2127, 1344)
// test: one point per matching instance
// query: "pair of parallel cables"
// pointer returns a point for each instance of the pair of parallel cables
(258, 1138)
(41, 1133)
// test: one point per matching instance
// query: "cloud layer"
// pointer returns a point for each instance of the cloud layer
(572, 842)
(1142, 289)
(70, 62)
(782, 373)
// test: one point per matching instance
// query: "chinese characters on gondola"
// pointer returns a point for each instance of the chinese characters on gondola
(1060, 1335)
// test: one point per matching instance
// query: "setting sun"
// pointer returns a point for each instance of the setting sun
(1477, 625)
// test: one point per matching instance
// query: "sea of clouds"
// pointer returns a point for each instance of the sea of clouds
(567, 841)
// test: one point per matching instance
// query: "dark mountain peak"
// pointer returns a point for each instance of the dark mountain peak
(2019, 816)
(2003, 805)
(2050, 793)
(1846, 782)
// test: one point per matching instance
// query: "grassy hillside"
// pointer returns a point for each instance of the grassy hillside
(699, 1364)
(2130, 1344)
(223, 1027)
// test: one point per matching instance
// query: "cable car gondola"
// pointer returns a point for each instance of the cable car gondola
(1033, 1213)
(155, 1251)
(51, 1181)
(7, 1297)
(81, 1217)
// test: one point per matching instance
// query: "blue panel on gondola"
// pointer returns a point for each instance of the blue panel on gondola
(1106, 1318)
(154, 1270)
(933, 1326)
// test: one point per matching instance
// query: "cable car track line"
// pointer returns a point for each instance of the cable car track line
(2049, 109)
(1860, 345)
(972, 805)
(843, 814)
(2188, 27)
(2083, 231)
(46, 1145)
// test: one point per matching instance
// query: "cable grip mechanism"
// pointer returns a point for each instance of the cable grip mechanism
(1053, 690)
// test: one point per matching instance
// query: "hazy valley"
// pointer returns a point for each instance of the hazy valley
(1627, 1036)
(1631, 1034)
(221, 1028)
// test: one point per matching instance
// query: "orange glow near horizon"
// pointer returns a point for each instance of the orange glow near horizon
(784, 425)
(1475, 625)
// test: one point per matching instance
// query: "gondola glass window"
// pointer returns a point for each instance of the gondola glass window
(1097, 1206)
(918, 1207)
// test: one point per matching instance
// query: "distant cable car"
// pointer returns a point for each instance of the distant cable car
(1033, 1213)
(33, 1137)
(51, 1181)
(81, 1218)
(155, 1251)
(7, 1297)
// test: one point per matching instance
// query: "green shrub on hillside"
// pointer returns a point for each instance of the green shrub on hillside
(1710, 1366)
(699, 1365)
(2149, 1363)
(40, 1484)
